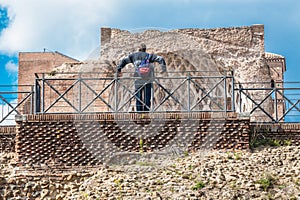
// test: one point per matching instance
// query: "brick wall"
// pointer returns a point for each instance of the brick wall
(279, 131)
(277, 66)
(7, 138)
(95, 139)
(37, 62)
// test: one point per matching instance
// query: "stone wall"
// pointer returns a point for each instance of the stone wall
(105, 138)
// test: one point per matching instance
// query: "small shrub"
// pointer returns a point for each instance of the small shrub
(118, 183)
(287, 142)
(84, 195)
(199, 185)
(274, 143)
(266, 182)
(141, 145)
(185, 153)
(270, 142)
(297, 181)
(229, 155)
(281, 187)
(237, 156)
(233, 185)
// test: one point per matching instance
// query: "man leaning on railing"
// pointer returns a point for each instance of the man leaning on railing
(144, 73)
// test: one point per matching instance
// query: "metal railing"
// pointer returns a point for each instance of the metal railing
(87, 93)
(176, 92)
(269, 102)
(15, 100)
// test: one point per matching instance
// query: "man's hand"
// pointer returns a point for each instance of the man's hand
(119, 74)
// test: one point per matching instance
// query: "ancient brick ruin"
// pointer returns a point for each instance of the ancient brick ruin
(202, 52)
(60, 138)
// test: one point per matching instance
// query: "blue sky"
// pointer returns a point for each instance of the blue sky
(72, 26)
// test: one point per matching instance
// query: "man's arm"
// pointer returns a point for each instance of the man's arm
(160, 60)
(123, 63)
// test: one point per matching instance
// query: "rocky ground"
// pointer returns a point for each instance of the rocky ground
(266, 173)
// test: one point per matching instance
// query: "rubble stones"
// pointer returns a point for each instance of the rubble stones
(221, 174)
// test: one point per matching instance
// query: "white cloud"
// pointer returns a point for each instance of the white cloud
(11, 67)
(71, 26)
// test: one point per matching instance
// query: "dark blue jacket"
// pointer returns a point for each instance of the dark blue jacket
(136, 58)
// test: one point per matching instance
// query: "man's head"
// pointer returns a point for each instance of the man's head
(142, 47)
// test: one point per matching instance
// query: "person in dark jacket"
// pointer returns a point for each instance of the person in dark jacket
(142, 86)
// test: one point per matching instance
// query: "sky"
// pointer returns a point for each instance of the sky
(72, 27)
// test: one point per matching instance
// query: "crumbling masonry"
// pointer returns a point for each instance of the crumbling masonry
(80, 139)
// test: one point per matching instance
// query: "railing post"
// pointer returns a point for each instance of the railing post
(79, 92)
(116, 91)
(240, 92)
(43, 93)
(225, 93)
(37, 96)
(32, 100)
(276, 106)
(189, 92)
(233, 96)
(152, 94)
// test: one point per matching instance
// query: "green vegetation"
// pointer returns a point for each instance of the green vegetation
(185, 153)
(141, 145)
(84, 195)
(235, 155)
(233, 185)
(118, 183)
(145, 164)
(297, 181)
(229, 155)
(199, 185)
(281, 187)
(269, 142)
(266, 182)
(258, 139)
(287, 142)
